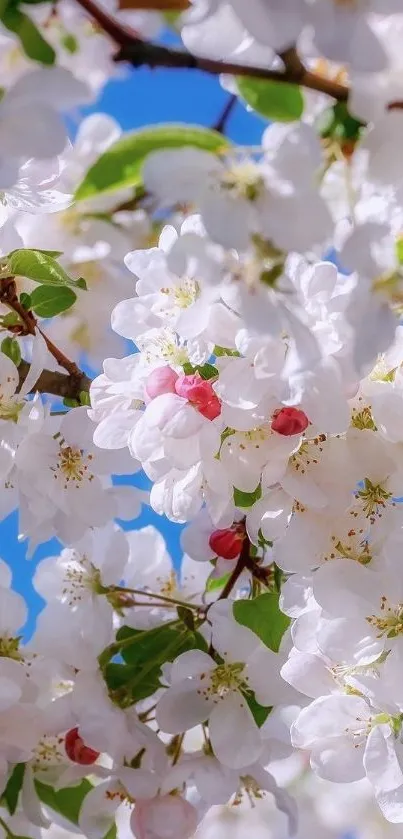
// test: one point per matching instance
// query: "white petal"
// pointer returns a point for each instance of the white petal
(183, 706)
(234, 735)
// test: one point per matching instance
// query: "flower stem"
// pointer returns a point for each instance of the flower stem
(173, 601)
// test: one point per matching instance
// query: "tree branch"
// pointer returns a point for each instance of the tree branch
(221, 123)
(155, 5)
(138, 53)
(28, 325)
(240, 566)
(57, 384)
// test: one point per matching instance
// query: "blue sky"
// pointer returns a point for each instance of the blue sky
(143, 97)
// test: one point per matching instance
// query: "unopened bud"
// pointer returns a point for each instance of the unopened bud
(76, 749)
(226, 543)
(200, 394)
(161, 380)
(163, 817)
(289, 421)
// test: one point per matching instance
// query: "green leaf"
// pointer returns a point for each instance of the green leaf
(121, 165)
(213, 583)
(85, 398)
(260, 712)
(263, 616)
(66, 801)
(246, 499)
(33, 43)
(337, 123)
(11, 348)
(55, 254)
(25, 300)
(139, 676)
(220, 351)
(399, 250)
(40, 266)
(10, 319)
(70, 43)
(206, 371)
(13, 788)
(187, 617)
(48, 300)
(277, 101)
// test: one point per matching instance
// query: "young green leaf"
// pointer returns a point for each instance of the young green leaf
(139, 677)
(263, 616)
(206, 371)
(49, 300)
(33, 43)
(246, 499)
(278, 101)
(40, 266)
(70, 43)
(260, 712)
(11, 793)
(11, 348)
(121, 165)
(68, 801)
(25, 300)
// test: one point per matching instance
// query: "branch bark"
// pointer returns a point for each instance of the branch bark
(155, 5)
(56, 384)
(138, 53)
(28, 325)
(240, 566)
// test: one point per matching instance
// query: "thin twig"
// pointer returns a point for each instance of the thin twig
(173, 601)
(138, 53)
(221, 123)
(29, 325)
(240, 566)
(155, 5)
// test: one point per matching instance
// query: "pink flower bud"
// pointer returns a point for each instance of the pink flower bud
(226, 543)
(289, 421)
(163, 817)
(76, 749)
(200, 394)
(161, 380)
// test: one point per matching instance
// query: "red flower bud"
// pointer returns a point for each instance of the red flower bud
(161, 380)
(226, 543)
(200, 394)
(289, 421)
(76, 749)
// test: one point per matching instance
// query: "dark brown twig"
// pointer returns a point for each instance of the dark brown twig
(29, 326)
(221, 123)
(138, 53)
(240, 566)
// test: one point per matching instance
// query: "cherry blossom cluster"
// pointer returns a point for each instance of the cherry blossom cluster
(244, 306)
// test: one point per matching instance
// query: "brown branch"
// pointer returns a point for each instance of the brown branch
(57, 384)
(155, 5)
(29, 325)
(292, 62)
(259, 572)
(138, 53)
